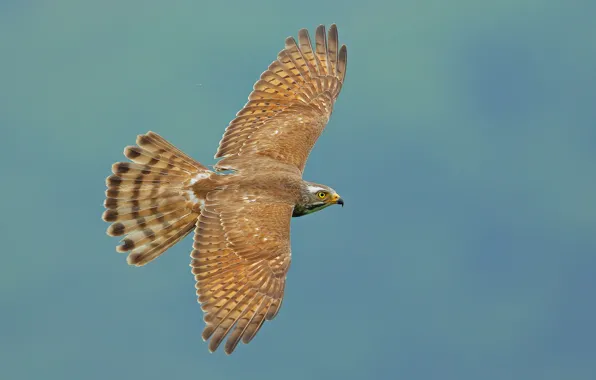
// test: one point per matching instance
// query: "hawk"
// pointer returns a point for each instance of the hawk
(240, 212)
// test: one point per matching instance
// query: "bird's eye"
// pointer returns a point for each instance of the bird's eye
(321, 194)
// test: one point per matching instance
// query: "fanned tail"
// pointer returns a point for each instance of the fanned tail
(150, 201)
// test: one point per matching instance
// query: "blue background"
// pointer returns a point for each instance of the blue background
(464, 144)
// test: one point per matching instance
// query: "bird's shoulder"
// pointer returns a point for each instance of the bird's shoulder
(264, 177)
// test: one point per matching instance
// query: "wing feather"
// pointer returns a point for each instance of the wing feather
(290, 104)
(332, 41)
(240, 259)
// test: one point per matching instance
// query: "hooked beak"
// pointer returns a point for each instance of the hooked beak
(336, 199)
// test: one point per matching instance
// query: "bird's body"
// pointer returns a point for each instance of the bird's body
(241, 251)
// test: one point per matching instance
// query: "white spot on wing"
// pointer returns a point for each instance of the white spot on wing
(199, 177)
(193, 198)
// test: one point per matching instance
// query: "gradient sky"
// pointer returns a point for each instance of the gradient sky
(464, 145)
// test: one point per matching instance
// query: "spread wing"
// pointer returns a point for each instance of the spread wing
(291, 102)
(240, 259)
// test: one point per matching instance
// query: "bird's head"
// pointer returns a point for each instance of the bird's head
(316, 197)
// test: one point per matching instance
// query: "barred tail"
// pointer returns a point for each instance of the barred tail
(149, 201)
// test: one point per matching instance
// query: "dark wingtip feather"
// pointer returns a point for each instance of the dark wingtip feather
(132, 152)
(214, 344)
(290, 41)
(143, 140)
(230, 347)
(207, 332)
(342, 63)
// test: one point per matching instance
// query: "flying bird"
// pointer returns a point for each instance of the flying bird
(241, 210)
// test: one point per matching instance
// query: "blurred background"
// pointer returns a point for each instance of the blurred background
(464, 145)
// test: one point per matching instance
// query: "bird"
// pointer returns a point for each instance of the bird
(240, 210)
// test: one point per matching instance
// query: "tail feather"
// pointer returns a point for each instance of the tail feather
(142, 204)
(130, 213)
(158, 158)
(115, 181)
(130, 226)
(123, 168)
(150, 201)
(146, 235)
(148, 175)
(128, 194)
(146, 253)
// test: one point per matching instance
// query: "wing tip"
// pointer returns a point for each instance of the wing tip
(290, 41)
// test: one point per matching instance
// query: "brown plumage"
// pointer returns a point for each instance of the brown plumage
(146, 200)
(241, 252)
